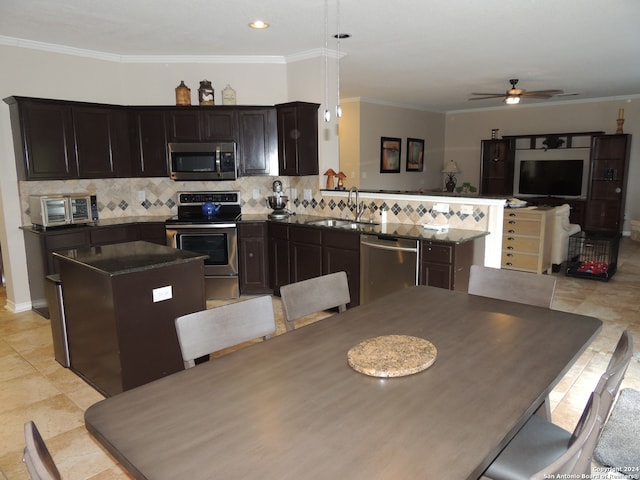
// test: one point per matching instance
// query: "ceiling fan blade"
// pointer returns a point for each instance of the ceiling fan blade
(543, 92)
(485, 98)
(490, 94)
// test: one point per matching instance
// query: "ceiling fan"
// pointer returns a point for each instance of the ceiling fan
(514, 94)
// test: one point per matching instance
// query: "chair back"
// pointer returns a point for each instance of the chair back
(576, 461)
(36, 456)
(512, 285)
(314, 295)
(613, 375)
(207, 331)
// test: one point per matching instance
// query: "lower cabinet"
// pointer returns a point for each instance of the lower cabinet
(446, 265)
(253, 258)
(297, 253)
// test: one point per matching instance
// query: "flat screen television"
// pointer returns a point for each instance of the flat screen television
(551, 176)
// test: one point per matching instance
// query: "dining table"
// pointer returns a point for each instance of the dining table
(294, 408)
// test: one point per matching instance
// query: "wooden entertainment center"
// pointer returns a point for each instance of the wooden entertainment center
(601, 209)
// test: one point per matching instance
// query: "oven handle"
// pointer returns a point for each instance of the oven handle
(201, 226)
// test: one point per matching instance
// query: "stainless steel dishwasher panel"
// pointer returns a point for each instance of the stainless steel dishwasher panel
(387, 264)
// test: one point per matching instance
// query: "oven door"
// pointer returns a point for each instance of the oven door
(220, 244)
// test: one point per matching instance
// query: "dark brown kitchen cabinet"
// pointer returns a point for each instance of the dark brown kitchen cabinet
(496, 167)
(152, 232)
(257, 141)
(43, 139)
(59, 140)
(197, 124)
(298, 138)
(607, 183)
(101, 141)
(306, 253)
(446, 265)
(279, 264)
(341, 252)
(253, 258)
(148, 143)
(113, 234)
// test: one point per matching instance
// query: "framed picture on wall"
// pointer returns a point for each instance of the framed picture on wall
(415, 155)
(390, 154)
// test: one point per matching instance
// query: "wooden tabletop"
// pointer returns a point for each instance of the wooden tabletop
(291, 408)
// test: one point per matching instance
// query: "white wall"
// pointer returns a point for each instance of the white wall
(465, 130)
(376, 121)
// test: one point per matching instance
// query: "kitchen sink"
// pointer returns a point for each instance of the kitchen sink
(341, 223)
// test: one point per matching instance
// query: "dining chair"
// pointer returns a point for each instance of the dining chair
(616, 369)
(542, 450)
(512, 285)
(36, 456)
(207, 331)
(314, 295)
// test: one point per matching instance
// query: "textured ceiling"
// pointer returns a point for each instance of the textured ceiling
(427, 54)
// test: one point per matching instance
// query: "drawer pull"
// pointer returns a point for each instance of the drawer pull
(509, 264)
(509, 254)
(511, 222)
(511, 231)
(511, 239)
(509, 247)
(512, 214)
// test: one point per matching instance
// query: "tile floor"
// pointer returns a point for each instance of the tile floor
(34, 386)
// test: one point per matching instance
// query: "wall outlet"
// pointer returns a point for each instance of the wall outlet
(441, 208)
(256, 193)
(307, 194)
(141, 196)
(294, 193)
(162, 293)
(466, 209)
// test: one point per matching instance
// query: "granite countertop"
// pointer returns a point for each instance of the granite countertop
(123, 258)
(108, 222)
(402, 230)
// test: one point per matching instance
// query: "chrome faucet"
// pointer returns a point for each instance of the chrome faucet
(358, 206)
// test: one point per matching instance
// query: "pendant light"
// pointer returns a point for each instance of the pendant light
(339, 36)
(327, 113)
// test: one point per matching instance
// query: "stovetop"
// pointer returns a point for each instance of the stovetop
(190, 207)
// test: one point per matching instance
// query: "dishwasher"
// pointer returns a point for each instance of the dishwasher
(387, 264)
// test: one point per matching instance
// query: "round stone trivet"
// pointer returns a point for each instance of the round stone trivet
(392, 356)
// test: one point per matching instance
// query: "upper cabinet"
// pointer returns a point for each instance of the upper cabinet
(298, 138)
(57, 140)
(60, 140)
(148, 142)
(43, 139)
(199, 124)
(257, 141)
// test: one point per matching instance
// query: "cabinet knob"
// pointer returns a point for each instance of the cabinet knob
(251, 255)
(618, 190)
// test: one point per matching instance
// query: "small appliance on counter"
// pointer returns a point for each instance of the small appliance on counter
(278, 202)
(61, 209)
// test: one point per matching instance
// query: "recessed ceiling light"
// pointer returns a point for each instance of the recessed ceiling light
(259, 25)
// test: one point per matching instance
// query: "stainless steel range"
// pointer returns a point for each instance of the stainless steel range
(206, 223)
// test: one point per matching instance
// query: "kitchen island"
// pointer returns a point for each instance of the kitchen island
(121, 301)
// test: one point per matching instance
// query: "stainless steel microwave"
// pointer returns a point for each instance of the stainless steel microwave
(203, 161)
(63, 209)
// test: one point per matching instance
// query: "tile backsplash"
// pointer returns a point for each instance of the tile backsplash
(128, 197)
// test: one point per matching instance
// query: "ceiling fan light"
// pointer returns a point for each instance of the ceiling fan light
(512, 100)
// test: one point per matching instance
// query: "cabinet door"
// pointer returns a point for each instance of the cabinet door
(306, 253)
(607, 183)
(114, 234)
(252, 249)
(257, 141)
(278, 256)
(149, 143)
(496, 176)
(184, 125)
(101, 142)
(218, 124)
(341, 252)
(152, 232)
(298, 138)
(436, 275)
(43, 138)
